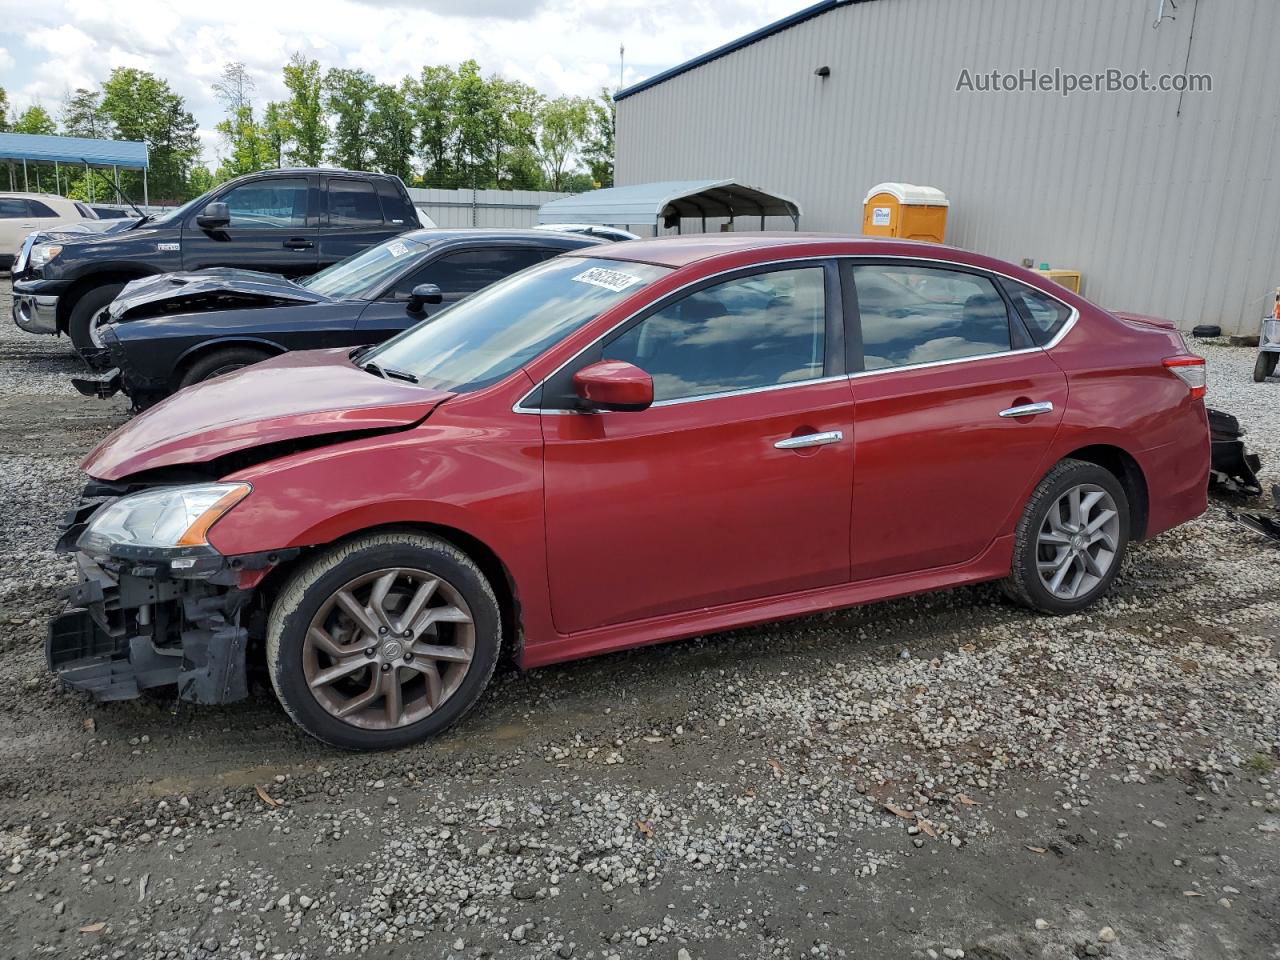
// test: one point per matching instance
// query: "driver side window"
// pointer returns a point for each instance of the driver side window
(760, 330)
(267, 204)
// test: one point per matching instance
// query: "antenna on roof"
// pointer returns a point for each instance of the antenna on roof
(622, 62)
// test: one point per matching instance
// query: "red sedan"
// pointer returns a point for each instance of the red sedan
(620, 447)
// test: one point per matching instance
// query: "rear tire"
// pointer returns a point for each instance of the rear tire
(1071, 540)
(221, 361)
(83, 313)
(352, 624)
(1264, 366)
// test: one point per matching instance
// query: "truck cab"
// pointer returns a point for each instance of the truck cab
(290, 222)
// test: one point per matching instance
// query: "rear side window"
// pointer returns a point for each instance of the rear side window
(353, 203)
(11, 208)
(470, 270)
(761, 330)
(39, 209)
(396, 208)
(85, 211)
(1043, 315)
(913, 315)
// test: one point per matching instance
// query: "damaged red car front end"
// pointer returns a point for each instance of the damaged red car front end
(156, 604)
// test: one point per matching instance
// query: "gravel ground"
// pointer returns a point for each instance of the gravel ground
(943, 776)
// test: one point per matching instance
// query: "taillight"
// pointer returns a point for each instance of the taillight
(1191, 371)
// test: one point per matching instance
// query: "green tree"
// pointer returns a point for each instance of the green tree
(5, 125)
(347, 97)
(35, 119)
(512, 136)
(472, 112)
(304, 112)
(391, 135)
(200, 181)
(598, 150)
(82, 115)
(564, 124)
(430, 98)
(140, 106)
(275, 133)
(246, 144)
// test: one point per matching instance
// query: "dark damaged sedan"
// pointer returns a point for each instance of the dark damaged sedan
(167, 332)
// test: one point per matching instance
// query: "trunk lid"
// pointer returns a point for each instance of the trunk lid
(290, 397)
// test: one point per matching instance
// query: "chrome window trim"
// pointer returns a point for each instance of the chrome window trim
(518, 406)
(944, 363)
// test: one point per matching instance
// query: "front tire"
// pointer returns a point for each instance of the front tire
(84, 312)
(1071, 539)
(1264, 366)
(383, 641)
(225, 360)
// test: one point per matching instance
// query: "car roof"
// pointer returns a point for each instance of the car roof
(33, 196)
(436, 235)
(680, 251)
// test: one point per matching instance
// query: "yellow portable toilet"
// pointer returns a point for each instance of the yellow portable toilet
(906, 211)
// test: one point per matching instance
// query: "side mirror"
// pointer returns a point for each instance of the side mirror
(214, 217)
(614, 385)
(423, 294)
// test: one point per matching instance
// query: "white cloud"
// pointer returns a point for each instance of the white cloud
(558, 46)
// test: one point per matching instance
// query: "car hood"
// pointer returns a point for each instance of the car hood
(289, 398)
(202, 290)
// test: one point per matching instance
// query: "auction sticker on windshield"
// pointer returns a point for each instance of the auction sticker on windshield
(614, 280)
(397, 249)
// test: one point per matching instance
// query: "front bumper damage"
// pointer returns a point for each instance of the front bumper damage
(135, 624)
(129, 629)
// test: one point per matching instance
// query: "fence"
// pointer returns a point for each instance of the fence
(482, 208)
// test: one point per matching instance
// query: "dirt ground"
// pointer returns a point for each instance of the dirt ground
(941, 776)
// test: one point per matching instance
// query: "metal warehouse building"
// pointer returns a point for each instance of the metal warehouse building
(1168, 202)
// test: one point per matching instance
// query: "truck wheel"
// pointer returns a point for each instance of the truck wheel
(218, 362)
(1071, 539)
(1264, 366)
(383, 641)
(83, 313)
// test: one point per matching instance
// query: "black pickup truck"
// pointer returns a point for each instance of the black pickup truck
(290, 222)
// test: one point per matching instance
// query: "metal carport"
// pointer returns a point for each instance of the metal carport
(79, 151)
(667, 203)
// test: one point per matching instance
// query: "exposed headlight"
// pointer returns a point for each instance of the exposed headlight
(169, 521)
(1271, 332)
(42, 253)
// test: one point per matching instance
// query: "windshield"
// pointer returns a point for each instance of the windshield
(484, 338)
(363, 276)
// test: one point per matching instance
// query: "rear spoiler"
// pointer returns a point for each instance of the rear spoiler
(1145, 318)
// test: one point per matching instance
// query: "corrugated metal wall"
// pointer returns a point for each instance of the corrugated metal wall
(1168, 208)
(483, 208)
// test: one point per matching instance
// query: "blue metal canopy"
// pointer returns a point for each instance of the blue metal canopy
(667, 202)
(98, 153)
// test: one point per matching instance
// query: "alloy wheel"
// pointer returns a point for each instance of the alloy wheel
(1078, 541)
(388, 648)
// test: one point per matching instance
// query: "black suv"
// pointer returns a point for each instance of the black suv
(291, 222)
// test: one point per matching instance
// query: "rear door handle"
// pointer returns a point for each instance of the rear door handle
(298, 243)
(810, 440)
(1028, 409)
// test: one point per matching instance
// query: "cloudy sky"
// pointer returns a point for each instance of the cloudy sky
(558, 46)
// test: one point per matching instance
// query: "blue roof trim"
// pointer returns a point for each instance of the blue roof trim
(800, 16)
(48, 149)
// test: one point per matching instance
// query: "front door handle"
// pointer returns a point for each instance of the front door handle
(810, 440)
(1028, 409)
(298, 243)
